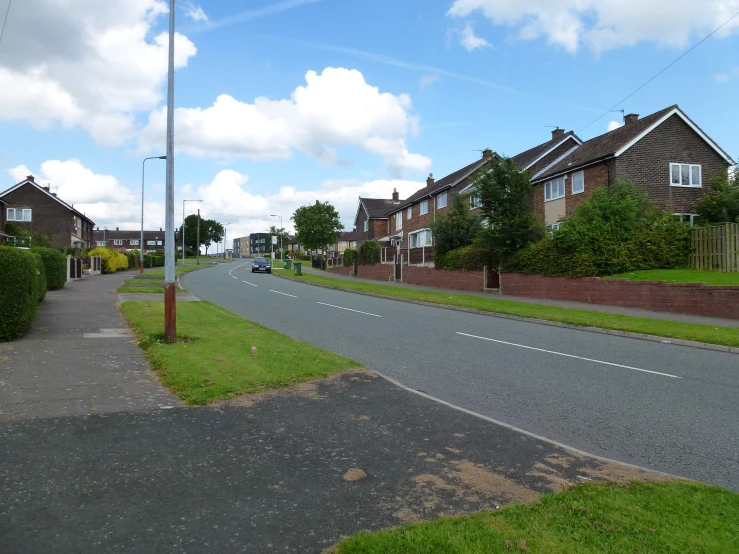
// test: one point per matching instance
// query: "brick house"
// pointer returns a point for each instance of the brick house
(371, 219)
(666, 153)
(34, 208)
(3, 236)
(241, 247)
(130, 240)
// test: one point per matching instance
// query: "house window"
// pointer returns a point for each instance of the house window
(398, 220)
(424, 207)
(685, 175)
(553, 227)
(475, 202)
(343, 244)
(578, 182)
(554, 189)
(133, 242)
(410, 212)
(18, 214)
(366, 225)
(159, 243)
(441, 201)
(151, 243)
(690, 219)
(101, 243)
(117, 242)
(419, 239)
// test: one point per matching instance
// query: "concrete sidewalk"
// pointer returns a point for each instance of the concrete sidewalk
(78, 358)
(603, 308)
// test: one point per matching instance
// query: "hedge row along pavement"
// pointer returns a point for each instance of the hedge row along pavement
(55, 264)
(21, 274)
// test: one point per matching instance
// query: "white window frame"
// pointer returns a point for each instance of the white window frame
(134, 242)
(687, 218)
(159, 243)
(548, 186)
(398, 221)
(574, 175)
(151, 243)
(553, 227)
(101, 243)
(342, 244)
(366, 225)
(424, 207)
(117, 242)
(445, 196)
(475, 202)
(690, 166)
(23, 212)
(413, 238)
(409, 215)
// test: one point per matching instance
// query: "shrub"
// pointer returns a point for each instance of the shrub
(55, 264)
(112, 261)
(350, 256)
(455, 229)
(40, 276)
(369, 253)
(18, 291)
(466, 258)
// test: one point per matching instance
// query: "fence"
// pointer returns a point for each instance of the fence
(715, 248)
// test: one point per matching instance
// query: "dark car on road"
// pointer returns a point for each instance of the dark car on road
(261, 265)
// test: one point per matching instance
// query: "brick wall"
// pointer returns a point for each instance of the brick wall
(460, 280)
(682, 298)
(647, 163)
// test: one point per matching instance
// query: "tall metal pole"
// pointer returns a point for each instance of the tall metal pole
(197, 248)
(170, 296)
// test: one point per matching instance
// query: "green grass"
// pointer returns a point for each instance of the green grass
(142, 281)
(716, 278)
(728, 336)
(213, 359)
(144, 289)
(662, 518)
(178, 270)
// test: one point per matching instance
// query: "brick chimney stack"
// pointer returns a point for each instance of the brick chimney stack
(558, 133)
(630, 118)
(487, 154)
(396, 196)
(30, 178)
(430, 180)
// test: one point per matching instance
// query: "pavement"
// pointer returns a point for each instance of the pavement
(668, 407)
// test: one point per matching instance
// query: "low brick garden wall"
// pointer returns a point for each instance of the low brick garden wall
(460, 280)
(681, 298)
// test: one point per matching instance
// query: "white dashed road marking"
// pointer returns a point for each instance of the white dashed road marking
(283, 293)
(348, 309)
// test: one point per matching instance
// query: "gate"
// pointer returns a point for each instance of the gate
(399, 268)
(492, 279)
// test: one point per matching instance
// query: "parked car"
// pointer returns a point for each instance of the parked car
(261, 265)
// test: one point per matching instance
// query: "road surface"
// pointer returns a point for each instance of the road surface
(671, 408)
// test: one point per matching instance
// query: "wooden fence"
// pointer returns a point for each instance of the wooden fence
(715, 248)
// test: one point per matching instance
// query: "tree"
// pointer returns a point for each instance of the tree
(280, 234)
(506, 198)
(317, 225)
(455, 229)
(27, 238)
(210, 232)
(721, 205)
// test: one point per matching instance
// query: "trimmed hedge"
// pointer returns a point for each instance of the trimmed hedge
(466, 258)
(55, 264)
(40, 282)
(350, 256)
(151, 260)
(19, 291)
(369, 253)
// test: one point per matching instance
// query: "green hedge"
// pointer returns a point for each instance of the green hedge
(19, 291)
(466, 258)
(40, 282)
(55, 264)
(369, 253)
(151, 260)
(349, 257)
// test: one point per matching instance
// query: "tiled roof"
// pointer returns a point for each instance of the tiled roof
(30, 181)
(603, 146)
(378, 208)
(529, 156)
(348, 235)
(113, 234)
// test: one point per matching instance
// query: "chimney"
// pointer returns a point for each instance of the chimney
(30, 178)
(430, 180)
(396, 197)
(487, 154)
(558, 133)
(116, 228)
(630, 118)
(160, 229)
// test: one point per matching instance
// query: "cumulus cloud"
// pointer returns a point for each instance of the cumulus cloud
(100, 197)
(333, 109)
(85, 63)
(606, 24)
(195, 12)
(614, 125)
(728, 76)
(471, 41)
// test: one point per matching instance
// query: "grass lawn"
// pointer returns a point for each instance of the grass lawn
(728, 336)
(137, 289)
(717, 278)
(144, 281)
(178, 270)
(213, 359)
(672, 517)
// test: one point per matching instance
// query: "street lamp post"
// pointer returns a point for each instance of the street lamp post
(141, 244)
(282, 252)
(183, 228)
(225, 234)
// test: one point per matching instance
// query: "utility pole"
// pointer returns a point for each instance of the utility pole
(197, 251)
(170, 293)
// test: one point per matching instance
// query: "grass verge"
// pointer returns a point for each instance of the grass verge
(727, 336)
(144, 281)
(672, 517)
(180, 269)
(213, 359)
(144, 289)
(715, 278)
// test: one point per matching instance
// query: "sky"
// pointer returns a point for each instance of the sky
(279, 103)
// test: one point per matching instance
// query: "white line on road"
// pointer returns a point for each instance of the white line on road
(248, 283)
(571, 356)
(348, 309)
(283, 293)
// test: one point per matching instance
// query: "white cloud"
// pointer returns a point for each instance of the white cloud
(195, 12)
(728, 76)
(471, 41)
(428, 79)
(336, 108)
(85, 63)
(612, 125)
(100, 197)
(606, 24)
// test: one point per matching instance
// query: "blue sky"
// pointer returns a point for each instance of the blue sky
(390, 92)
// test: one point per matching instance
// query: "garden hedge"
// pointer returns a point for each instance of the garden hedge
(466, 258)
(55, 264)
(350, 256)
(370, 252)
(40, 281)
(18, 291)
(112, 260)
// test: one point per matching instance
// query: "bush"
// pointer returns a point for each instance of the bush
(350, 256)
(369, 253)
(18, 291)
(55, 264)
(40, 276)
(112, 261)
(466, 258)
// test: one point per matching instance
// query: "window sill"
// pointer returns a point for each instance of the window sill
(687, 186)
(553, 199)
(578, 192)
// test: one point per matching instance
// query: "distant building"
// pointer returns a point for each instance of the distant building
(241, 247)
(260, 243)
(131, 239)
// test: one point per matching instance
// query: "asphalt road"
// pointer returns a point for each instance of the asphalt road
(667, 407)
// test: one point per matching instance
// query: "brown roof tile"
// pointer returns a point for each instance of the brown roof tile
(378, 208)
(526, 158)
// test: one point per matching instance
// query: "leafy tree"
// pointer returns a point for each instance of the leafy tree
(721, 205)
(280, 234)
(317, 225)
(27, 238)
(506, 198)
(457, 228)
(210, 232)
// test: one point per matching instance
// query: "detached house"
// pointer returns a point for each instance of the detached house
(34, 208)
(666, 153)
(371, 219)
